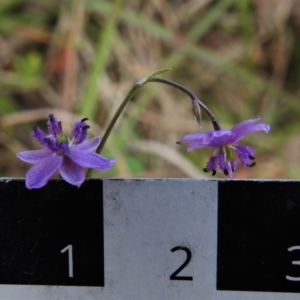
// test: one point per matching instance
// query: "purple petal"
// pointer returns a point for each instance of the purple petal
(238, 134)
(193, 137)
(38, 175)
(90, 144)
(34, 156)
(72, 172)
(194, 145)
(91, 160)
(217, 138)
(245, 124)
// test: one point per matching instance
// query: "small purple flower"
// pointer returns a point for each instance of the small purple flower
(224, 143)
(62, 154)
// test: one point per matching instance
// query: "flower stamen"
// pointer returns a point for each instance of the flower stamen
(54, 125)
(86, 127)
(51, 145)
(39, 135)
(251, 165)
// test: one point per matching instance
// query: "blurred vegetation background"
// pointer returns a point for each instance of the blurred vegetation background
(80, 58)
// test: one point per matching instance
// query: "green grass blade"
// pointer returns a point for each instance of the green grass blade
(105, 42)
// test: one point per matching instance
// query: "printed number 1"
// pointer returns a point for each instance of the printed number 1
(69, 248)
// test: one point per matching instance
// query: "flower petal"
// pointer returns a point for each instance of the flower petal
(72, 172)
(91, 160)
(89, 145)
(34, 156)
(245, 124)
(195, 140)
(38, 175)
(237, 135)
(194, 145)
(217, 138)
(193, 137)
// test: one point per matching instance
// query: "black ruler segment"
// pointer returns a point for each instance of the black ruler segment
(259, 236)
(52, 235)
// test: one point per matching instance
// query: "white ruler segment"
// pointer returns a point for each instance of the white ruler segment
(144, 220)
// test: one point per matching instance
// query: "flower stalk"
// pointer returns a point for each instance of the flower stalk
(197, 104)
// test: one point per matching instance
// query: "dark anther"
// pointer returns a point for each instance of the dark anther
(84, 119)
(86, 127)
(232, 169)
(34, 128)
(251, 157)
(225, 172)
(251, 165)
(46, 140)
(51, 117)
(213, 172)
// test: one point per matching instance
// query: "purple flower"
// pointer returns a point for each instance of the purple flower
(62, 154)
(224, 143)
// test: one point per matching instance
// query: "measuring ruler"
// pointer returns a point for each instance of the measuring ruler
(127, 239)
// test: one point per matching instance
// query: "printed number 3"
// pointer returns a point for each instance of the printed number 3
(294, 262)
(174, 275)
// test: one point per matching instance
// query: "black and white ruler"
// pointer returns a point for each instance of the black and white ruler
(135, 239)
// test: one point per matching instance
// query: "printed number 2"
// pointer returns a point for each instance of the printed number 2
(188, 258)
(69, 248)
